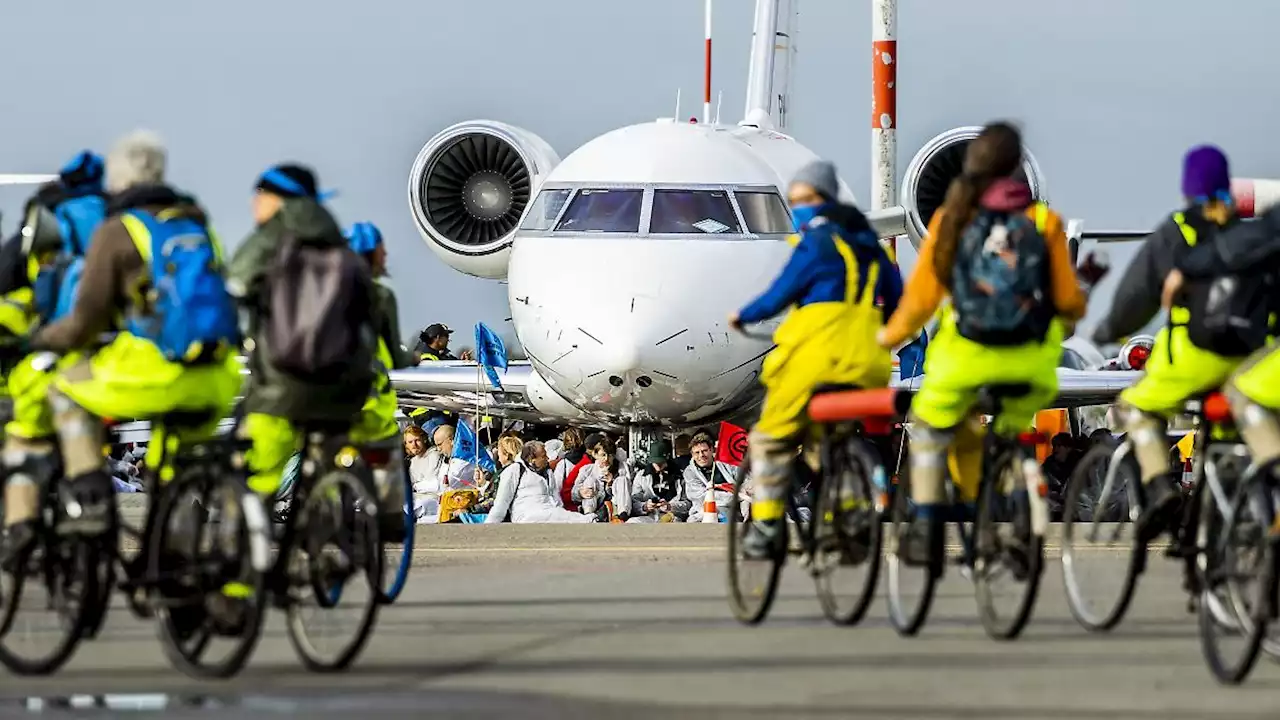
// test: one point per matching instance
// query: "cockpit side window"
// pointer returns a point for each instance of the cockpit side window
(764, 211)
(611, 211)
(545, 209)
(706, 212)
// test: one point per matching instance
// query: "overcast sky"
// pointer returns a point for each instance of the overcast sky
(1110, 92)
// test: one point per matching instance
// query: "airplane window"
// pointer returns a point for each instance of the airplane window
(764, 212)
(592, 210)
(693, 211)
(545, 209)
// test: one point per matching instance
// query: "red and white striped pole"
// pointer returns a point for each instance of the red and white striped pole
(884, 107)
(706, 80)
(1253, 196)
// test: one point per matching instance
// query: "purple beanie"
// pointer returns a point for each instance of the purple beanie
(1205, 172)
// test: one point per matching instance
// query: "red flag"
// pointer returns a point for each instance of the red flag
(731, 447)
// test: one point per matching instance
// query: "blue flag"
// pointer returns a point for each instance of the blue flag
(466, 448)
(911, 357)
(491, 353)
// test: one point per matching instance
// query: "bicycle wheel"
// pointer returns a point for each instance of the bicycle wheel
(335, 552)
(1240, 574)
(1006, 549)
(1094, 529)
(848, 532)
(908, 607)
(208, 555)
(57, 584)
(752, 583)
(401, 576)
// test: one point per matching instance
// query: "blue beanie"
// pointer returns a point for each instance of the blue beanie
(1205, 173)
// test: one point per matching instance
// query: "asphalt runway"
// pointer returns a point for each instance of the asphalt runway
(632, 622)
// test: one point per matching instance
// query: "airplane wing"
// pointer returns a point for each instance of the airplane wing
(25, 179)
(1077, 388)
(457, 385)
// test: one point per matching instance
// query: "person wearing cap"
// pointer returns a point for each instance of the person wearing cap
(1177, 369)
(657, 486)
(129, 377)
(841, 285)
(286, 202)
(433, 344)
(376, 422)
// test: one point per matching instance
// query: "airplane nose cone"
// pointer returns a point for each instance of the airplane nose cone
(621, 358)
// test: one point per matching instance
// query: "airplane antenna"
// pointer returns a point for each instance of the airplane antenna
(884, 106)
(719, 100)
(706, 80)
(677, 113)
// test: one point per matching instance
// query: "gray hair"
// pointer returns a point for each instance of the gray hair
(530, 449)
(138, 158)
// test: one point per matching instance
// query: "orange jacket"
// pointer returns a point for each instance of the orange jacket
(924, 293)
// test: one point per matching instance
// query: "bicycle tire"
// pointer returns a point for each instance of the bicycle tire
(77, 557)
(985, 524)
(1219, 555)
(254, 546)
(1076, 587)
(401, 577)
(907, 620)
(751, 607)
(850, 455)
(349, 489)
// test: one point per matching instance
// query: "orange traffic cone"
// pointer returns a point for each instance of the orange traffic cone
(709, 512)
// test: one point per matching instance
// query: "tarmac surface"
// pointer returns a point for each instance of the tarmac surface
(631, 621)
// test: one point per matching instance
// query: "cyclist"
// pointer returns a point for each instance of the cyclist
(377, 420)
(1178, 369)
(1251, 250)
(985, 207)
(288, 204)
(147, 369)
(837, 274)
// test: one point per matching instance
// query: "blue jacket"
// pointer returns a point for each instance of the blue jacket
(816, 273)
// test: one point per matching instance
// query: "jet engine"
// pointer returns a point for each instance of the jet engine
(468, 188)
(925, 183)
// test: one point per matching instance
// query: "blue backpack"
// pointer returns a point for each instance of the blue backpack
(188, 308)
(1000, 283)
(78, 217)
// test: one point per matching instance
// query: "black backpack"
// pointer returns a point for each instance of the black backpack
(1230, 314)
(318, 325)
(1000, 284)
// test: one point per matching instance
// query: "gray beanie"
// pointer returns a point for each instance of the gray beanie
(821, 176)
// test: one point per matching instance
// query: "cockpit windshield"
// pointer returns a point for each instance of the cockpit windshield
(693, 211)
(764, 211)
(545, 209)
(611, 211)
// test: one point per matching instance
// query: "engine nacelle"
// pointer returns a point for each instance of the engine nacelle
(925, 183)
(468, 188)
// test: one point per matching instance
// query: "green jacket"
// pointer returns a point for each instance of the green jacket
(387, 324)
(268, 390)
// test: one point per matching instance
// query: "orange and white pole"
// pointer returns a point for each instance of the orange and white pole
(884, 107)
(706, 80)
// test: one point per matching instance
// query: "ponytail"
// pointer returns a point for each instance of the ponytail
(957, 210)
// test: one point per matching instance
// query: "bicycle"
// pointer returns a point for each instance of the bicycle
(159, 578)
(317, 557)
(1011, 496)
(843, 529)
(1225, 486)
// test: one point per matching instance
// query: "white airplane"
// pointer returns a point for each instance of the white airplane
(624, 259)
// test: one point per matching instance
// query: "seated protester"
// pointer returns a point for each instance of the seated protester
(295, 233)
(704, 472)
(526, 492)
(603, 488)
(149, 368)
(1057, 469)
(836, 289)
(377, 420)
(575, 459)
(682, 456)
(555, 454)
(1180, 366)
(657, 486)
